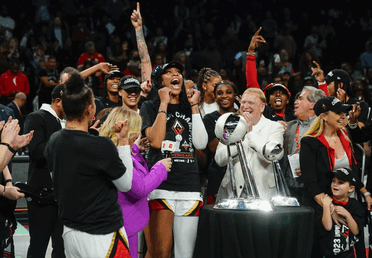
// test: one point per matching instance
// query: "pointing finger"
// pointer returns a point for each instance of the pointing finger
(258, 31)
(317, 65)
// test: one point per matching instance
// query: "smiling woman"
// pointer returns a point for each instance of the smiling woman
(327, 147)
(130, 92)
(225, 93)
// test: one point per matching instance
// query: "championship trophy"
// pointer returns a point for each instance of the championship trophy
(271, 152)
(230, 130)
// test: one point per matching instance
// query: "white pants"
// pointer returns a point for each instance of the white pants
(184, 233)
(80, 244)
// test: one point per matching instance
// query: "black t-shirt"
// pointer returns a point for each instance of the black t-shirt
(83, 167)
(184, 176)
(215, 172)
(338, 238)
(109, 104)
(45, 92)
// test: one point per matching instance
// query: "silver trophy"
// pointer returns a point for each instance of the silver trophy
(230, 130)
(271, 152)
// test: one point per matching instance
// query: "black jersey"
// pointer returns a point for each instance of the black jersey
(184, 176)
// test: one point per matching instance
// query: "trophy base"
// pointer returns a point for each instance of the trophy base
(285, 201)
(243, 204)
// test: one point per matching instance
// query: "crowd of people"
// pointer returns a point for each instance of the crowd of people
(104, 98)
(198, 34)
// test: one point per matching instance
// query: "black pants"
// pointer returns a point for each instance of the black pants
(43, 224)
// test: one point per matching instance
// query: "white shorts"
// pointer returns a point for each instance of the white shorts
(81, 244)
(179, 207)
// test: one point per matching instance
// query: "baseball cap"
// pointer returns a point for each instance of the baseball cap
(271, 87)
(172, 64)
(330, 104)
(160, 69)
(338, 75)
(128, 82)
(116, 73)
(57, 91)
(343, 174)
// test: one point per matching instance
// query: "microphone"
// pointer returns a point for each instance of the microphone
(167, 146)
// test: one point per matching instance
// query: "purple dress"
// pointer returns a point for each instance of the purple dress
(134, 203)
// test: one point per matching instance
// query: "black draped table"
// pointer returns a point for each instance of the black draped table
(285, 232)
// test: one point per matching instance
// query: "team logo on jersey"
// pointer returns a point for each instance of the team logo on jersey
(185, 145)
(177, 127)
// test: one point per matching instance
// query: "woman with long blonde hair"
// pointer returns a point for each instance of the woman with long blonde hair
(325, 146)
(134, 202)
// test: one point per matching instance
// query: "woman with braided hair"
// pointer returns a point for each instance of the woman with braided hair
(207, 80)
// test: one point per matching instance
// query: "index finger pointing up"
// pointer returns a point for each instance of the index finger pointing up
(317, 65)
(258, 31)
(138, 7)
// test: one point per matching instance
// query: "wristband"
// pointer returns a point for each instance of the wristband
(353, 126)
(7, 181)
(10, 148)
(162, 111)
(194, 104)
(366, 194)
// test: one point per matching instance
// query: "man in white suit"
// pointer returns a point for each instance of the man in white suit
(260, 131)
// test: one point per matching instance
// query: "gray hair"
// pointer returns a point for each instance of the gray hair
(69, 70)
(315, 94)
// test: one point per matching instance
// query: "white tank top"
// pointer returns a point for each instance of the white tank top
(342, 163)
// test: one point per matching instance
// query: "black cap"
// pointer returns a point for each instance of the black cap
(330, 104)
(172, 64)
(128, 82)
(338, 75)
(160, 69)
(343, 174)
(57, 91)
(115, 73)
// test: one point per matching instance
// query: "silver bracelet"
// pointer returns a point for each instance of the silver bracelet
(366, 194)
(353, 126)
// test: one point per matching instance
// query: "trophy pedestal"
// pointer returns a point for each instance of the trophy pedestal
(244, 204)
(285, 201)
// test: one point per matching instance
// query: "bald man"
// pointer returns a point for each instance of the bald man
(16, 105)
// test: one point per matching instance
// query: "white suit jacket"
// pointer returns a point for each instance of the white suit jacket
(262, 169)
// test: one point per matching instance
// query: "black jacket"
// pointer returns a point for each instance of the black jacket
(44, 125)
(315, 164)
